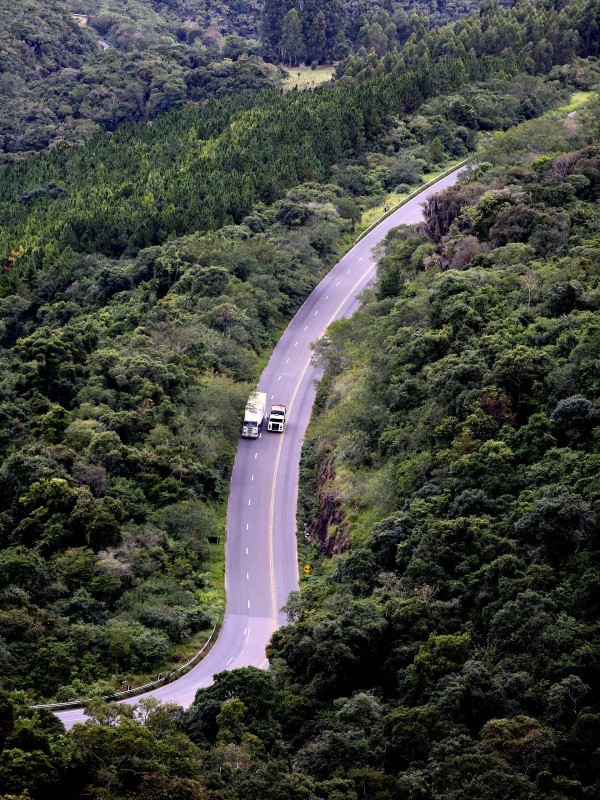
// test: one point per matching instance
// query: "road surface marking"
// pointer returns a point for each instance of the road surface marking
(279, 378)
(347, 271)
(207, 681)
(246, 551)
(248, 603)
(316, 312)
(296, 345)
(286, 361)
(305, 327)
(246, 529)
(273, 486)
(361, 258)
(247, 577)
(272, 396)
(252, 478)
(229, 662)
(256, 455)
(245, 629)
(327, 298)
(249, 501)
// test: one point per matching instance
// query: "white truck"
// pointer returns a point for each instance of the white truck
(254, 415)
(276, 418)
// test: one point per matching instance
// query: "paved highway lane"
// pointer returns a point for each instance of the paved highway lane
(261, 555)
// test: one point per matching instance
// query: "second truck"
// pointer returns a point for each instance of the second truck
(276, 418)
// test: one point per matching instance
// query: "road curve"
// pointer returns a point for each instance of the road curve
(260, 552)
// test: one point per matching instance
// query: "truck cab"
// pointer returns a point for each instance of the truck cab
(277, 417)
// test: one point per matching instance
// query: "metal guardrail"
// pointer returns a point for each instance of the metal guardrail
(169, 677)
(416, 193)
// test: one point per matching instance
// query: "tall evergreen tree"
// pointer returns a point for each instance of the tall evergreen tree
(272, 21)
(316, 39)
(292, 47)
(336, 19)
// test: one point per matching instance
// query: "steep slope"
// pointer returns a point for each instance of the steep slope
(458, 432)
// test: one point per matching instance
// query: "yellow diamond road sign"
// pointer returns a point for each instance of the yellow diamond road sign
(307, 569)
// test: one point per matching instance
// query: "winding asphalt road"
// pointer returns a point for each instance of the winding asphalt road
(260, 555)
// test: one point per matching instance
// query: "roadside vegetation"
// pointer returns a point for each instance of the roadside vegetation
(444, 647)
(145, 277)
(448, 652)
(454, 462)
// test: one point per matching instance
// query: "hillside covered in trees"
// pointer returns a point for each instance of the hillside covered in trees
(69, 68)
(455, 455)
(328, 30)
(450, 652)
(64, 77)
(125, 369)
(143, 274)
(537, 36)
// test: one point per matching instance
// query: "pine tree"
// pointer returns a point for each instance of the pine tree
(336, 19)
(316, 39)
(436, 150)
(272, 16)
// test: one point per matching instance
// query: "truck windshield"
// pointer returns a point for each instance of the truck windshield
(250, 424)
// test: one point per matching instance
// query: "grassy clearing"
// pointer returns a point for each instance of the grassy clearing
(307, 78)
(577, 100)
(372, 214)
(213, 595)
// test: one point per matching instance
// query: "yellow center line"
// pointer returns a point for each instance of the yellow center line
(277, 458)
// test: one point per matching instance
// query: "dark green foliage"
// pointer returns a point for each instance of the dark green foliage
(53, 190)
(125, 367)
(532, 36)
(560, 521)
(123, 385)
(331, 28)
(452, 652)
(65, 77)
(483, 579)
(253, 687)
(199, 168)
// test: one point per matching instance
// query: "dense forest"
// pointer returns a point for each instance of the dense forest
(204, 166)
(207, 165)
(455, 454)
(450, 651)
(537, 35)
(314, 31)
(62, 81)
(147, 272)
(69, 68)
(121, 371)
(445, 646)
(122, 387)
